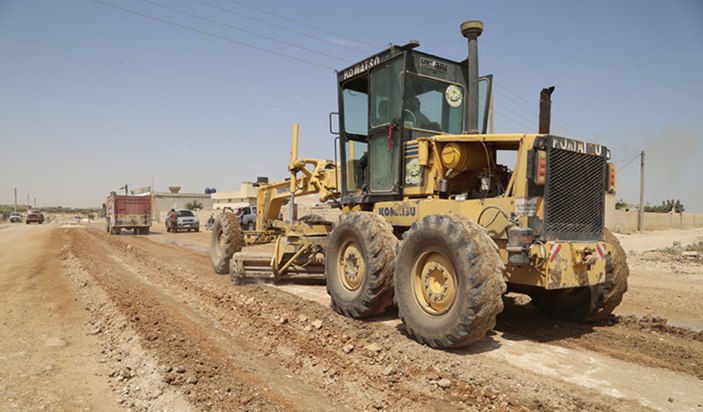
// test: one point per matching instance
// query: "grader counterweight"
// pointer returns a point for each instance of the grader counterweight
(431, 220)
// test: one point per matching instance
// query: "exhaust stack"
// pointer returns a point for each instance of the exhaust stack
(545, 109)
(471, 30)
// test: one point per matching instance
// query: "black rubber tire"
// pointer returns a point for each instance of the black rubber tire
(616, 273)
(478, 281)
(146, 230)
(576, 304)
(373, 238)
(226, 240)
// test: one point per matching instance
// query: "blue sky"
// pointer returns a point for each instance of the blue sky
(93, 97)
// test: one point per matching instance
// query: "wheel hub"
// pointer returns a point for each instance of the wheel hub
(352, 267)
(435, 284)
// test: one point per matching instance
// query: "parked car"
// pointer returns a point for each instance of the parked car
(15, 217)
(185, 220)
(34, 216)
(247, 217)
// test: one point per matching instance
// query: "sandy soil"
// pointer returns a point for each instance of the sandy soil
(92, 321)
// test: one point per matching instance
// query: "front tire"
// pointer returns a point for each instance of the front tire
(578, 304)
(616, 273)
(359, 265)
(448, 281)
(226, 239)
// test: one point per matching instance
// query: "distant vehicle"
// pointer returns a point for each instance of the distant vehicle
(185, 220)
(34, 216)
(15, 217)
(248, 217)
(128, 212)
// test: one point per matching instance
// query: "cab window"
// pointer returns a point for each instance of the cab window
(433, 105)
(386, 86)
(356, 105)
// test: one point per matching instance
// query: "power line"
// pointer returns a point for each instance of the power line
(246, 16)
(531, 109)
(631, 160)
(574, 128)
(511, 119)
(516, 114)
(244, 31)
(311, 63)
(302, 23)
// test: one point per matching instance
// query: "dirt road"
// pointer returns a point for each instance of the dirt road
(98, 322)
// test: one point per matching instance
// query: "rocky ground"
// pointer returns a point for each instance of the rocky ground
(92, 321)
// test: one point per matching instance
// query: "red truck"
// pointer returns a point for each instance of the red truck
(128, 212)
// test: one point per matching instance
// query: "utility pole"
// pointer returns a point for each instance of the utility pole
(15, 199)
(640, 214)
(29, 205)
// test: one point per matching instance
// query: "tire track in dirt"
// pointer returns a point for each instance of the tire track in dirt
(382, 369)
(210, 374)
(305, 351)
(645, 341)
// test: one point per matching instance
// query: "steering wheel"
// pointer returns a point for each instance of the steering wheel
(412, 115)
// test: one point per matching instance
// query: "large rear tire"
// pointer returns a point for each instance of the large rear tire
(226, 239)
(359, 264)
(448, 281)
(577, 304)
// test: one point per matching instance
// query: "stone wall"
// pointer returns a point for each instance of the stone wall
(622, 221)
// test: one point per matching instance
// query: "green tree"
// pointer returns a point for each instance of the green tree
(666, 207)
(194, 205)
(621, 204)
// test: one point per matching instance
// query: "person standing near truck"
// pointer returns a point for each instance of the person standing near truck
(172, 218)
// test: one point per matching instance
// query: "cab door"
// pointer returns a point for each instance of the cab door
(384, 139)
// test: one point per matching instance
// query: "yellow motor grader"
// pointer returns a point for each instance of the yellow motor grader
(433, 219)
(299, 243)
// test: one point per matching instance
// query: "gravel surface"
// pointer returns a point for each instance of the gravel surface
(100, 322)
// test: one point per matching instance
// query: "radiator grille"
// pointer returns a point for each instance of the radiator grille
(575, 196)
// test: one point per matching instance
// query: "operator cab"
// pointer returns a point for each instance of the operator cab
(395, 96)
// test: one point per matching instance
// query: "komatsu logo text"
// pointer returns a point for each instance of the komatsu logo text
(404, 211)
(361, 67)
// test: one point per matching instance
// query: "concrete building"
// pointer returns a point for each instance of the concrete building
(163, 202)
(245, 196)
